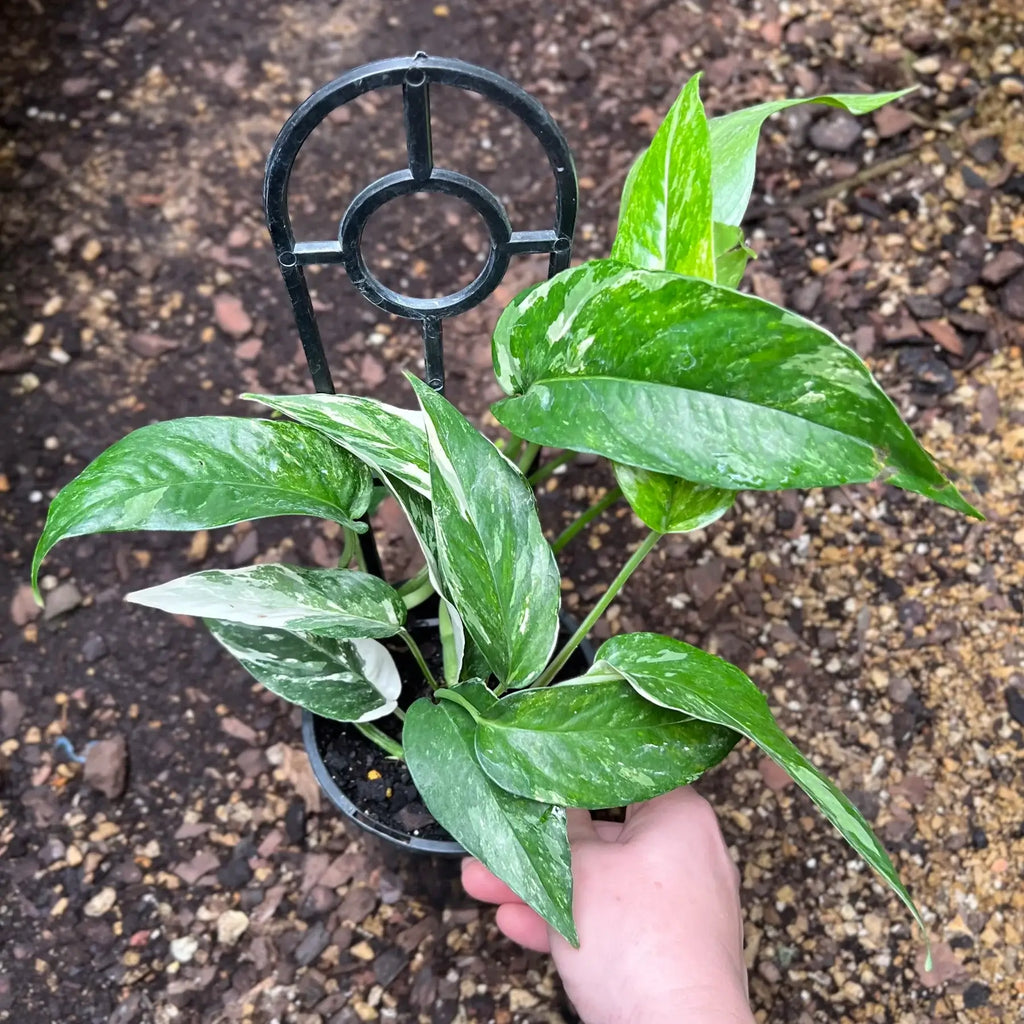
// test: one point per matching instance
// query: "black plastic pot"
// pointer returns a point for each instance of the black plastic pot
(429, 869)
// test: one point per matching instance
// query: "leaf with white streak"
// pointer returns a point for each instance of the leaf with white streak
(670, 504)
(388, 439)
(496, 565)
(347, 680)
(688, 680)
(665, 217)
(202, 472)
(327, 602)
(594, 742)
(521, 841)
(687, 378)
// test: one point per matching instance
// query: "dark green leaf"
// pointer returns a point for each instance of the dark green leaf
(386, 438)
(670, 504)
(522, 842)
(690, 379)
(326, 602)
(734, 146)
(347, 680)
(665, 217)
(496, 565)
(593, 742)
(676, 675)
(207, 471)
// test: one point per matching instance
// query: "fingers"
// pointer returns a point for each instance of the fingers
(525, 926)
(482, 885)
(516, 920)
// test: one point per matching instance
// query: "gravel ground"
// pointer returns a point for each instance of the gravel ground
(187, 871)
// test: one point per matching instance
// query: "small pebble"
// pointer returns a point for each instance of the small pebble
(231, 926)
(927, 65)
(184, 949)
(101, 903)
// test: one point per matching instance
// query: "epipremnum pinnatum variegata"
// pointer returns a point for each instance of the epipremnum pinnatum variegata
(652, 359)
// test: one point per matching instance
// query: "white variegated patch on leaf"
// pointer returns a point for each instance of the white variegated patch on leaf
(347, 680)
(328, 602)
(388, 439)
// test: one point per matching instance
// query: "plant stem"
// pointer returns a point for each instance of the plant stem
(598, 610)
(385, 742)
(360, 557)
(416, 597)
(529, 454)
(585, 519)
(457, 698)
(513, 446)
(449, 655)
(347, 548)
(418, 655)
(413, 583)
(543, 472)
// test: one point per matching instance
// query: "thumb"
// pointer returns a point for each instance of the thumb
(661, 811)
(579, 825)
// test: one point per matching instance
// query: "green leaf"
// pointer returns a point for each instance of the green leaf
(523, 842)
(731, 255)
(676, 675)
(734, 146)
(665, 216)
(326, 602)
(208, 471)
(670, 504)
(496, 565)
(388, 439)
(593, 742)
(687, 378)
(347, 680)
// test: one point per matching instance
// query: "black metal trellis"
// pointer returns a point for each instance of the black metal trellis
(415, 75)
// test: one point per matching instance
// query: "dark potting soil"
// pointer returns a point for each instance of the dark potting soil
(380, 786)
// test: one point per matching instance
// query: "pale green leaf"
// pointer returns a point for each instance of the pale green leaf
(665, 216)
(326, 602)
(670, 504)
(734, 145)
(731, 255)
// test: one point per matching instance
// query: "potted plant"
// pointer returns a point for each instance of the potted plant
(693, 390)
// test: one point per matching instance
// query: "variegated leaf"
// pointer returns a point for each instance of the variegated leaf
(347, 680)
(326, 602)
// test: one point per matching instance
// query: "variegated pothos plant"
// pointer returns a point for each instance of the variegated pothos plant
(652, 359)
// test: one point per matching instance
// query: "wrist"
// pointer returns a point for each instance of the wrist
(722, 1004)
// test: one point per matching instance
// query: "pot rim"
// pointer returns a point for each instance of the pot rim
(395, 837)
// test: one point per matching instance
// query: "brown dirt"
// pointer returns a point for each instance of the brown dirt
(885, 631)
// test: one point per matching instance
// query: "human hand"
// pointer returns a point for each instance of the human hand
(656, 903)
